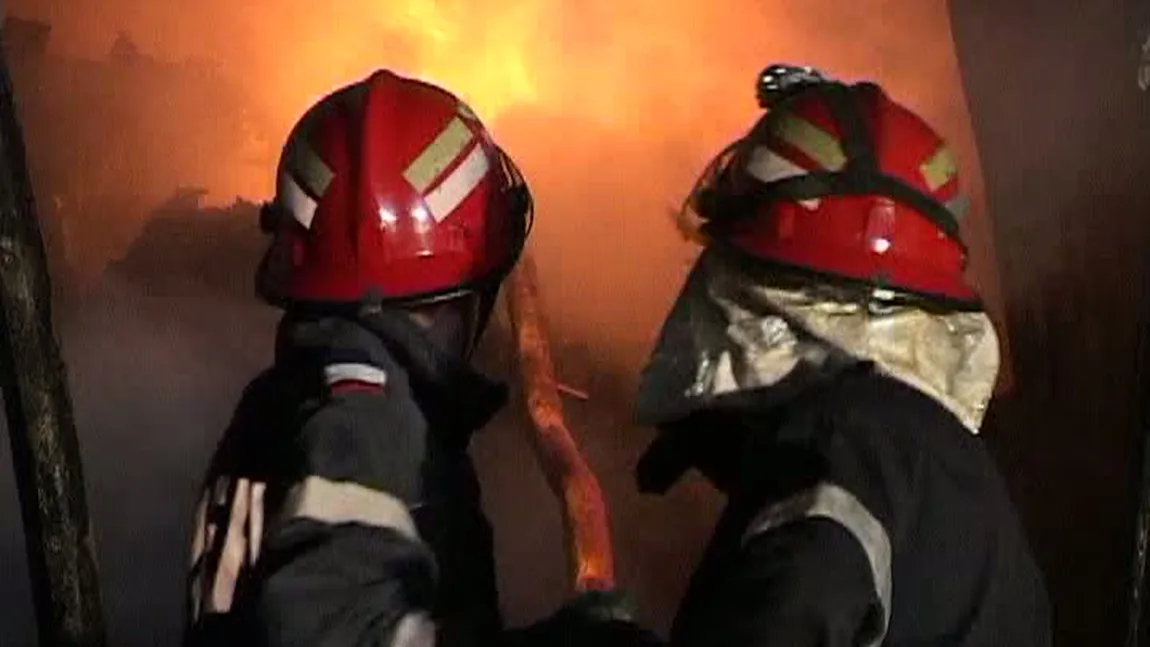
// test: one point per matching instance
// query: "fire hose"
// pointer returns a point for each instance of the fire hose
(586, 528)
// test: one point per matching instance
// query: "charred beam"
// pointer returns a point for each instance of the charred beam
(41, 429)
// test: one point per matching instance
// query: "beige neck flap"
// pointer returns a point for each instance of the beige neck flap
(767, 332)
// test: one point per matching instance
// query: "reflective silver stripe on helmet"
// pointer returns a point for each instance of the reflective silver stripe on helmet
(304, 164)
(294, 200)
(829, 501)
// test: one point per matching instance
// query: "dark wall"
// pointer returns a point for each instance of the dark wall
(1064, 135)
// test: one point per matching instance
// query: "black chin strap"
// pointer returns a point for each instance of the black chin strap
(823, 184)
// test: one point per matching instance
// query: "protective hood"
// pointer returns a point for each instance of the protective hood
(729, 337)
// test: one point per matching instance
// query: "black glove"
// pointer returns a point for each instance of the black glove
(716, 443)
(731, 441)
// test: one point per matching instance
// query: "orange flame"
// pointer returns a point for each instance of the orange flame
(484, 58)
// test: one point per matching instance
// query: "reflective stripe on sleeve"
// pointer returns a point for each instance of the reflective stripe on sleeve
(414, 630)
(335, 502)
(336, 373)
(225, 544)
(829, 501)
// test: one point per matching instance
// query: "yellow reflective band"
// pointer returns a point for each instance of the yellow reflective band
(438, 155)
(814, 142)
(939, 169)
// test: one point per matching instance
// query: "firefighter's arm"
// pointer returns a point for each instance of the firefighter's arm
(813, 567)
(342, 562)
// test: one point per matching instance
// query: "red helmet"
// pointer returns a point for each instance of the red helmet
(842, 182)
(391, 189)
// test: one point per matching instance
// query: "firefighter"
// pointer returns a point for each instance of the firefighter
(828, 367)
(341, 506)
(396, 218)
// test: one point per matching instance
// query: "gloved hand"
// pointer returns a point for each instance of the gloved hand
(724, 446)
(734, 445)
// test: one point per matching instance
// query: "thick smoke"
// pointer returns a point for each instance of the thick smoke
(611, 109)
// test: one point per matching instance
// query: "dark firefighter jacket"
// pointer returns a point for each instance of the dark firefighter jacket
(341, 507)
(863, 508)
(861, 513)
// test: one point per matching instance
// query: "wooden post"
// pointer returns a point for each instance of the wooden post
(45, 450)
(1136, 625)
(584, 513)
